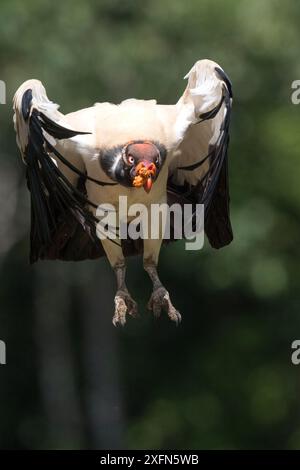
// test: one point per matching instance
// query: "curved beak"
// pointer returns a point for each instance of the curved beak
(145, 173)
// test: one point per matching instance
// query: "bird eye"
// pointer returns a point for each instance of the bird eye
(130, 159)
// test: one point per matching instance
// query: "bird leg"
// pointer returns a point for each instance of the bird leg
(160, 298)
(123, 300)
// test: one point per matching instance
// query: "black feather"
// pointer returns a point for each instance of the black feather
(56, 130)
(26, 104)
(212, 113)
(57, 207)
(213, 188)
(226, 79)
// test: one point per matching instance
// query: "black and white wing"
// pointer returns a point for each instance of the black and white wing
(199, 168)
(62, 225)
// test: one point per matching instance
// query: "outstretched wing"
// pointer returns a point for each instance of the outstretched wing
(62, 225)
(199, 169)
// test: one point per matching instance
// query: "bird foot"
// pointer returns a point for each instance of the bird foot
(160, 299)
(123, 304)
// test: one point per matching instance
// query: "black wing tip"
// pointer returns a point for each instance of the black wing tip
(226, 79)
(26, 103)
(56, 130)
(217, 243)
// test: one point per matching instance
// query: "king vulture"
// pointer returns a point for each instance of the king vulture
(151, 153)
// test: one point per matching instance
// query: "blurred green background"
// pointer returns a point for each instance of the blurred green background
(224, 378)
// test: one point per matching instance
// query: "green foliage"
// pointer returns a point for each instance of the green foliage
(224, 379)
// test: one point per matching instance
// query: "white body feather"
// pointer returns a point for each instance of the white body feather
(111, 125)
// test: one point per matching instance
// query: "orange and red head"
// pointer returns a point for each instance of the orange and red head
(136, 164)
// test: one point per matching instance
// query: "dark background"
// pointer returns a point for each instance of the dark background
(224, 378)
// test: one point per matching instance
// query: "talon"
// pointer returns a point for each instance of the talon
(154, 307)
(123, 304)
(160, 299)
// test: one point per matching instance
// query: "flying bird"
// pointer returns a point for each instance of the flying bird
(149, 152)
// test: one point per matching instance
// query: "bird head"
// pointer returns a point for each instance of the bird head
(136, 164)
(143, 161)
